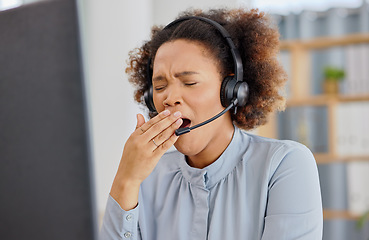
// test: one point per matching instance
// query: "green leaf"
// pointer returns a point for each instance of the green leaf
(361, 221)
(333, 73)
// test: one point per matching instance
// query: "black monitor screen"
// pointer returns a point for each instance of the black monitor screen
(45, 168)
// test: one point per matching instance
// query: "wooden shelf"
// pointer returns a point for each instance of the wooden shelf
(355, 98)
(323, 100)
(325, 42)
(326, 158)
(329, 214)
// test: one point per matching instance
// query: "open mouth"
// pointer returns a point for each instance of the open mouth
(186, 122)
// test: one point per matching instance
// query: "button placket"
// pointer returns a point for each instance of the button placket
(129, 219)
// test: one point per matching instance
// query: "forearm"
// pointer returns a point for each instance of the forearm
(125, 193)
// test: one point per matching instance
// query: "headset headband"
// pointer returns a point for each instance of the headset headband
(237, 61)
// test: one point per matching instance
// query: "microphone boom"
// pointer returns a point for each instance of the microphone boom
(181, 131)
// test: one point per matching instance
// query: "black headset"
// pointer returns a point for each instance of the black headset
(233, 90)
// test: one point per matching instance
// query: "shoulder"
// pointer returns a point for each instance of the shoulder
(272, 145)
(283, 146)
(274, 152)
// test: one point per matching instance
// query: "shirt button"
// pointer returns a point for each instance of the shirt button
(129, 217)
(127, 234)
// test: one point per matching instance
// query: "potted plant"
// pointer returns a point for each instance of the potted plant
(332, 78)
(362, 220)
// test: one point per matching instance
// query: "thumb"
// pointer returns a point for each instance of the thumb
(140, 120)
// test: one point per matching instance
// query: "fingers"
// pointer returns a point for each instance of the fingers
(159, 124)
(162, 132)
(143, 127)
(167, 133)
(140, 120)
(162, 115)
(158, 133)
(161, 149)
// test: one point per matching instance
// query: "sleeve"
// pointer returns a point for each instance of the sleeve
(118, 223)
(294, 208)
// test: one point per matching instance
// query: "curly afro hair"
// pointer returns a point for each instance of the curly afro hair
(253, 35)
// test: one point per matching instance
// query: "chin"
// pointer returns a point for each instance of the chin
(187, 145)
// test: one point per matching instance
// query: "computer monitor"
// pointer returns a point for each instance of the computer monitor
(46, 189)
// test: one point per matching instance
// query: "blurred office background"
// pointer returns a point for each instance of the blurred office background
(333, 124)
(110, 29)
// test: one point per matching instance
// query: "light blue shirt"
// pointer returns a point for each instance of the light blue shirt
(259, 188)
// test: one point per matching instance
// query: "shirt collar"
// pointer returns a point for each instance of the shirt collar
(212, 174)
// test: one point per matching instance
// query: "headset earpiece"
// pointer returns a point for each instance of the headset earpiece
(148, 94)
(233, 89)
(149, 100)
(224, 97)
(241, 92)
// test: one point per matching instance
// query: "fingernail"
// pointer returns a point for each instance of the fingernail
(179, 122)
(166, 112)
(177, 114)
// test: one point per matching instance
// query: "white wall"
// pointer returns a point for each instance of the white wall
(165, 11)
(111, 29)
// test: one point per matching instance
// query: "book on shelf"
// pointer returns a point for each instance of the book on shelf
(357, 187)
(352, 131)
(364, 68)
(352, 140)
(356, 68)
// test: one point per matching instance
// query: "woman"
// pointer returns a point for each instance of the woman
(221, 182)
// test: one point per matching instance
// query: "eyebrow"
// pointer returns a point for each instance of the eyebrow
(177, 75)
(185, 73)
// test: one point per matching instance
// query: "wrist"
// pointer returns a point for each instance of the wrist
(125, 192)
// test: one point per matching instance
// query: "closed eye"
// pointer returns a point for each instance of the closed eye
(191, 84)
(158, 88)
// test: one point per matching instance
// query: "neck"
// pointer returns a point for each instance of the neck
(213, 150)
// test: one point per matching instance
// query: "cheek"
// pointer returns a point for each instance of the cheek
(158, 102)
(212, 94)
(208, 100)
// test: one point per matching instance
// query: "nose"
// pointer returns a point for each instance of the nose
(173, 97)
